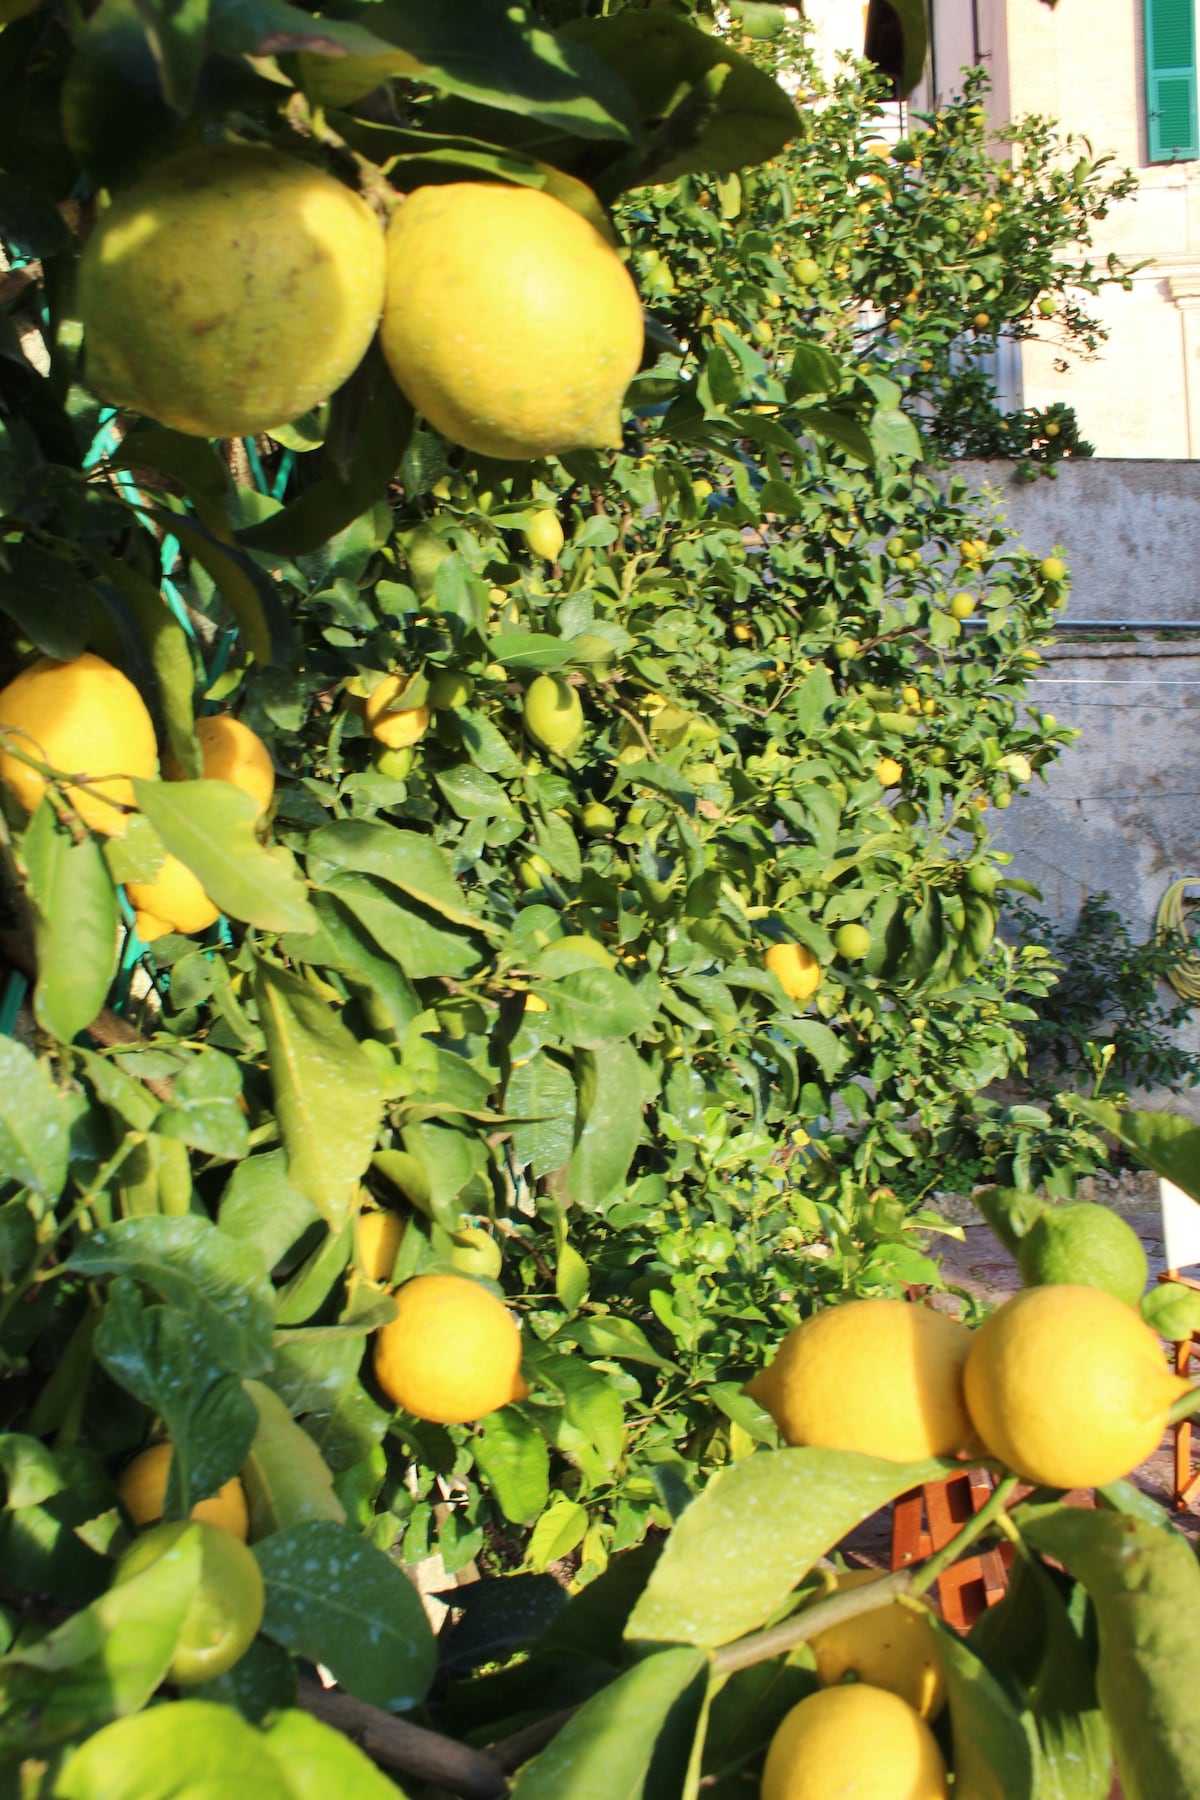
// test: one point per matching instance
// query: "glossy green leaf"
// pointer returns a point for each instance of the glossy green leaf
(608, 1122)
(728, 1566)
(993, 1757)
(33, 1122)
(76, 924)
(320, 1761)
(1166, 1142)
(204, 1110)
(114, 114)
(327, 1093)
(46, 596)
(540, 1097)
(166, 644)
(1145, 1586)
(420, 942)
(335, 1599)
(285, 1477)
(197, 1268)
(260, 1207)
(188, 1750)
(607, 1749)
(211, 826)
(404, 859)
(515, 1462)
(261, 1681)
(607, 1335)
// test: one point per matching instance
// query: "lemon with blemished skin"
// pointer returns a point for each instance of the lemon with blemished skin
(395, 729)
(881, 1377)
(142, 1490)
(231, 290)
(1068, 1387)
(173, 901)
(85, 718)
(795, 968)
(553, 714)
(509, 321)
(227, 1607)
(230, 751)
(895, 1648)
(854, 1741)
(452, 1354)
(378, 1236)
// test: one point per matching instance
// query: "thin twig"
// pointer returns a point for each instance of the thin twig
(778, 1640)
(409, 1749)
(511, 1752)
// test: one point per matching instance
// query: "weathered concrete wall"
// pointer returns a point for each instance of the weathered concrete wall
(1121, 811)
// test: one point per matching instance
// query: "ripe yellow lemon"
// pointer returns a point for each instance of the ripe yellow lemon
(1068, 1387)
(888, 772)
(230, 751)
(173, 901)
(509, 321)
(452, 1353)
(85, 718)
(544, 535)
(142, 1489)
(858, 1741)
(796, 969)
(230, 291)
(378, 1235)
(553, 714)
(395, 729)
(881, 1377)
(895, 1648)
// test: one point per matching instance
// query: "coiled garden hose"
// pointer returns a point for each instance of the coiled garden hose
(1171, 924)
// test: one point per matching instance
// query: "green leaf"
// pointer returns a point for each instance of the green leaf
(29, 221)
(560, 1530)
(337, 1600)
(540, 1097)
(286, 1479)
(1145, 1586)
(515, 1463)
(596, 1007)
(320, 1762)
(34, 1122)
(606, 1750)
(405, 859)
(170, 655)
(204, 1110)
(76, 924)
(211, 826)
(249, 593)
(992, 1753)
(52, 603)
(112, 107)
(172, 1366)
(419, 943)
(260, 1207)
(893, 435)
(468, 48)
(711, 109)
(728, 1565)
(1163, 1141)
(608, 1122)
(216, 1281)
(190, 1750)
(606, 1336)
(327, 1095)
(1172, 1310)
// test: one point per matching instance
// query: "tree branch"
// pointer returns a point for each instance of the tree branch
(409, 1749)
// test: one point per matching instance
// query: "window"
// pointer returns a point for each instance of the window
(1171, 80)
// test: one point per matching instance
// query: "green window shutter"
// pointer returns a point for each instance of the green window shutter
(1171, 80)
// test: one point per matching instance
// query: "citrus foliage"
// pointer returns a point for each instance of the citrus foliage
(619, 932)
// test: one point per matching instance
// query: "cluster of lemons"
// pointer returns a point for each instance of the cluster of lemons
(86, 719)
(237, 287)
(1063, 1385)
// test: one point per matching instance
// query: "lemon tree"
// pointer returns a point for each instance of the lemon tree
(500, 919)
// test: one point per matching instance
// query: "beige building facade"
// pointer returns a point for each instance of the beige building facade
(1121, 73)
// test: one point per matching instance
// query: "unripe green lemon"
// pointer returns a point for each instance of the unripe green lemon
(532, 870)
(450, 690)
(425, 551)
(231, 290)
(1047, 306)
(544, 535)
(597, 819)
(806, 271)
(227, 1608)
(476, 1252)
(981, 879)
(509, 321)
(852, 941)
(553, 714)
(1089, 1245)
(395, 764)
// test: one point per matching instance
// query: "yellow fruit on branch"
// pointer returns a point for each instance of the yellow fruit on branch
(395, 729)
(453, 1352)
(230, 751)
(378, 1236)
(450, 690)
(84, 718)
(888, 772)
(544, 535)
(1068, 1387)
(227, 1607)
(230, 291)
(173, 901)
(882, 1377)
(142, 1491)
(895, 1648)
(856, 1740)
(553, 714)
(795, 968)
(509, 321)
